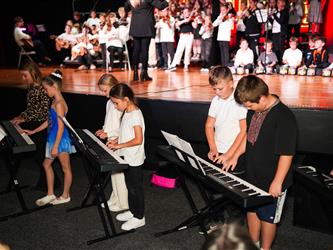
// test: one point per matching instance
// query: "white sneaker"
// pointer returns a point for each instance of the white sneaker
(133, 223)
(60, 200)
(114, 208)
(172, 69)
(45, 200)
(185, 68)
(125, 216)
(92, 66)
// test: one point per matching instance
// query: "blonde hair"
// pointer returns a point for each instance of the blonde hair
(108, 79)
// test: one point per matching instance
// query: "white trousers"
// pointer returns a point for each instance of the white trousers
(119, 195)
(185, 43)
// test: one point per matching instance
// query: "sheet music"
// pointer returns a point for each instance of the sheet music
(173, 141)
(262, 15)
(71, 128)
(2, 133)
(187, 148)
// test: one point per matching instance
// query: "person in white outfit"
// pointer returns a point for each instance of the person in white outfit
(119, 197)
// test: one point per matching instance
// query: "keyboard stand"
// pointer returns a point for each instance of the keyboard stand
(200, 216)
(14, 185)
(96, 188)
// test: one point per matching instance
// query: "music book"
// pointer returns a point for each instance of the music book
(183, 145)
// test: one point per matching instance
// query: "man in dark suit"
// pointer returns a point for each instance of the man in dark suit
(142, 30)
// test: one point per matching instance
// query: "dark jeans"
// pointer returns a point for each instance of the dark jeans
(140, 51)
(253, 44)
(224, 52)
(103, 52)
(160, 58)
(134, 183)
(86, 59)
(278, 45)
(168, 48)
(206, 46)
(119, 51)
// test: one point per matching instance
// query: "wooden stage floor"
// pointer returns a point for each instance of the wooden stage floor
(192, 86)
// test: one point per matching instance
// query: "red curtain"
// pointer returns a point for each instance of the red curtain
(327, 7)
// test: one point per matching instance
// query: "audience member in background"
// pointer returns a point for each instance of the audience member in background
(279, 19)
(315, 16)
(240, 27)
(225, 23)
(93, 20)
(244, 56)
(319, 57)
(296, 12)
(292, 57)
(229, 237)
(267, 58)
(64, 43)
(252, 28)
(185, 26)
(206, 32)
(77, 20)
(27, 43)
(309, 51)
(142, 30)
(36, 113)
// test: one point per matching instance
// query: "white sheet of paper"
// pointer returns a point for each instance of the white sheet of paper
(173, 141)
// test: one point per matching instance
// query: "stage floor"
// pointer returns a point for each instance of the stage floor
(192, 86)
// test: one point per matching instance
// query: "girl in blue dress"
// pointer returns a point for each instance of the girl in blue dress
(58, 141)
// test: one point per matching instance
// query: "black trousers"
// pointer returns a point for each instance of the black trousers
(134, 183)
(103, 52)
(140, 51)
(297, 30)
(206, 47)
(86, 59)
(224, 52)
(168, 48)
(253, 44)
(278, 45)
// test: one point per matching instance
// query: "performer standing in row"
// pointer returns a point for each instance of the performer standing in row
(142, 30)
(131, 146)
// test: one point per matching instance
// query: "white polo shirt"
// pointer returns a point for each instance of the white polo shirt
(227, 114)
(134, 156)
(293, 57)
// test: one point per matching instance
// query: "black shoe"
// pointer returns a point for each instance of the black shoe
(135, 74)
(144, 76)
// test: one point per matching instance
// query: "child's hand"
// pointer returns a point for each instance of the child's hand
(221, 159)
(212, 154)
(101, 134)
(28, 132)
(275, 189)
(54, 152)
(331, 172)
(230, 164)
(17, 120)
(113, 146)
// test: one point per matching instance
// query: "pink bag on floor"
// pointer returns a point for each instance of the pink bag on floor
(165, 182)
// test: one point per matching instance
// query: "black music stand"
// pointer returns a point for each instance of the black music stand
(14, 160)
(200, 216)
(96, 187)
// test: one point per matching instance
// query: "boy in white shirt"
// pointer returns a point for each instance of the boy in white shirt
(292, 57)
(225, 125)
(244, 56)
(225, 23)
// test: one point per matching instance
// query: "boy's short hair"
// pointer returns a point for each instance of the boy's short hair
(293, 39)
(320, 38)
(219, 73)
(249, 89)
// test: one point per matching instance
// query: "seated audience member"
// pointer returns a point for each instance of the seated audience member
(27, 43)
(93, 20)
(267, 58)
(64, 42)
(308, 52)
(292, 57)
(229, 237)
(319, 56)
(244, 56)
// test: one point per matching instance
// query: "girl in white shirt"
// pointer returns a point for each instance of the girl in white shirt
(118, 200)
(130, 145)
